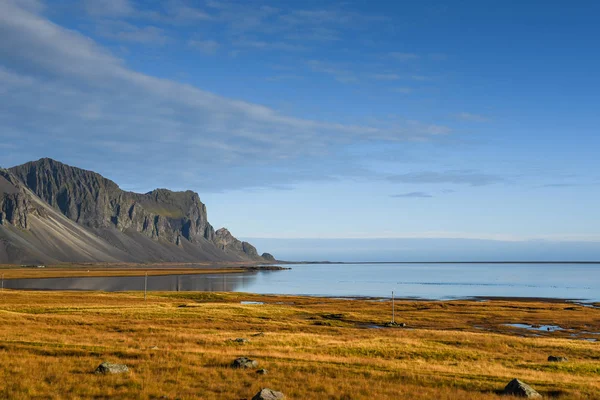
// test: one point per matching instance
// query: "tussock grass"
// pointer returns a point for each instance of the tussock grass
(51, 342)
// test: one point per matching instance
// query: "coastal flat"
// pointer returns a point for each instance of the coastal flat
(122, 270)
(178, 345)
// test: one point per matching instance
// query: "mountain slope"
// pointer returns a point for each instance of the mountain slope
(51, 212)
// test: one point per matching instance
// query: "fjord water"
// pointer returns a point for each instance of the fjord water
(426, 281)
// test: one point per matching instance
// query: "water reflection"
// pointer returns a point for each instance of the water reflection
(232, 282)
(429, 281)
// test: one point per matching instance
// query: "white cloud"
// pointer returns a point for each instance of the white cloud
(457, 177)
(403, 56)
(69, 97)
(386, 77)
(465, 116)
(109, 8)
(206, 46)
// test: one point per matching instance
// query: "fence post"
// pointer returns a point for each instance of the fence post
(393, 308)
(145, 285)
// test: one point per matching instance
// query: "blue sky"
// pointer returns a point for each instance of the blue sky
(320, 119)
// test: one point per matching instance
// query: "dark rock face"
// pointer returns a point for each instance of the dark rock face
(520, 389)
(110, 368)
(268, 394)
(226, 242)
(14, 204)
(98, 203)
(268, 256)
(51, 212)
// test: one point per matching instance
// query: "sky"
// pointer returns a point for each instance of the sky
(320, 119)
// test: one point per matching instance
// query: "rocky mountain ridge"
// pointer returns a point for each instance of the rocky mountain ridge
(168, 222)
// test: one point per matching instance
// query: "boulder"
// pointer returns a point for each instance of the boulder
(110, 368)
(268, 394)
(557, 359)
(239, 340)
(244, 362)
(262, 371)
(520, 389)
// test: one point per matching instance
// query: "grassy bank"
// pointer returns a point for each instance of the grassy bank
(176, 345)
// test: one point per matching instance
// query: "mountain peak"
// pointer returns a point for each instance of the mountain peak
(177, 220)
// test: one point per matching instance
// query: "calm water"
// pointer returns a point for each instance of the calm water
(430, 281)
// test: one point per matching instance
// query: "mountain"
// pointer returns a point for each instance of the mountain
(51, 212)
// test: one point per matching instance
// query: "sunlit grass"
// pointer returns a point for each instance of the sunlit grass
(51, 342)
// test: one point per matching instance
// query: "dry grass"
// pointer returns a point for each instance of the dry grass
(50, 342)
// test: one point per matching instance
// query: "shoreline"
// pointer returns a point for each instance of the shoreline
(104, 272)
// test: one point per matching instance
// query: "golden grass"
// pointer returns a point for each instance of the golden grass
(50, 342)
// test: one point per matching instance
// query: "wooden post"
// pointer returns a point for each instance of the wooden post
(393, 308)
(145, 285)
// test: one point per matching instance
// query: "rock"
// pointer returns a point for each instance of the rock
(262, 371)
(268, 256)
(259, 334)
(225, 241)
(268, 394)
(244, 362)
(154, 348)
(110, 368)
(520, 389)
(557, 359)
(394, 325)
(239, 340)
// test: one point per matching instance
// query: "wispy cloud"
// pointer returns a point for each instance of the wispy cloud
(458, 177)
(421, 78)
(123, 31)
(404, 90)
(268, 45)
(386, 77)
(466, 116)
(341, 75)
(79, 99)
(403, 56)
(205, 46)
(560, 185)
(109, 8)
(417, 195)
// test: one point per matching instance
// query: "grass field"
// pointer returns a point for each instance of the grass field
(176, 345)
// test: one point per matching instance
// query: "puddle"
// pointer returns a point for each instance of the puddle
(369, 326)
(251, 302)
(544, 328)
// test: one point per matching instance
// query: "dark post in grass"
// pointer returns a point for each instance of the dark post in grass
(393, 308)
(145, 285)
(3, 282)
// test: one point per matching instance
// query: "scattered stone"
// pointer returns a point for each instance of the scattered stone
(262, 371)
(520, 389)
(395, 325)
(154, 348)
(268, 394)
(244, 362)
(557, 359)
(259, 334)
(239, 340)
(110, 368)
